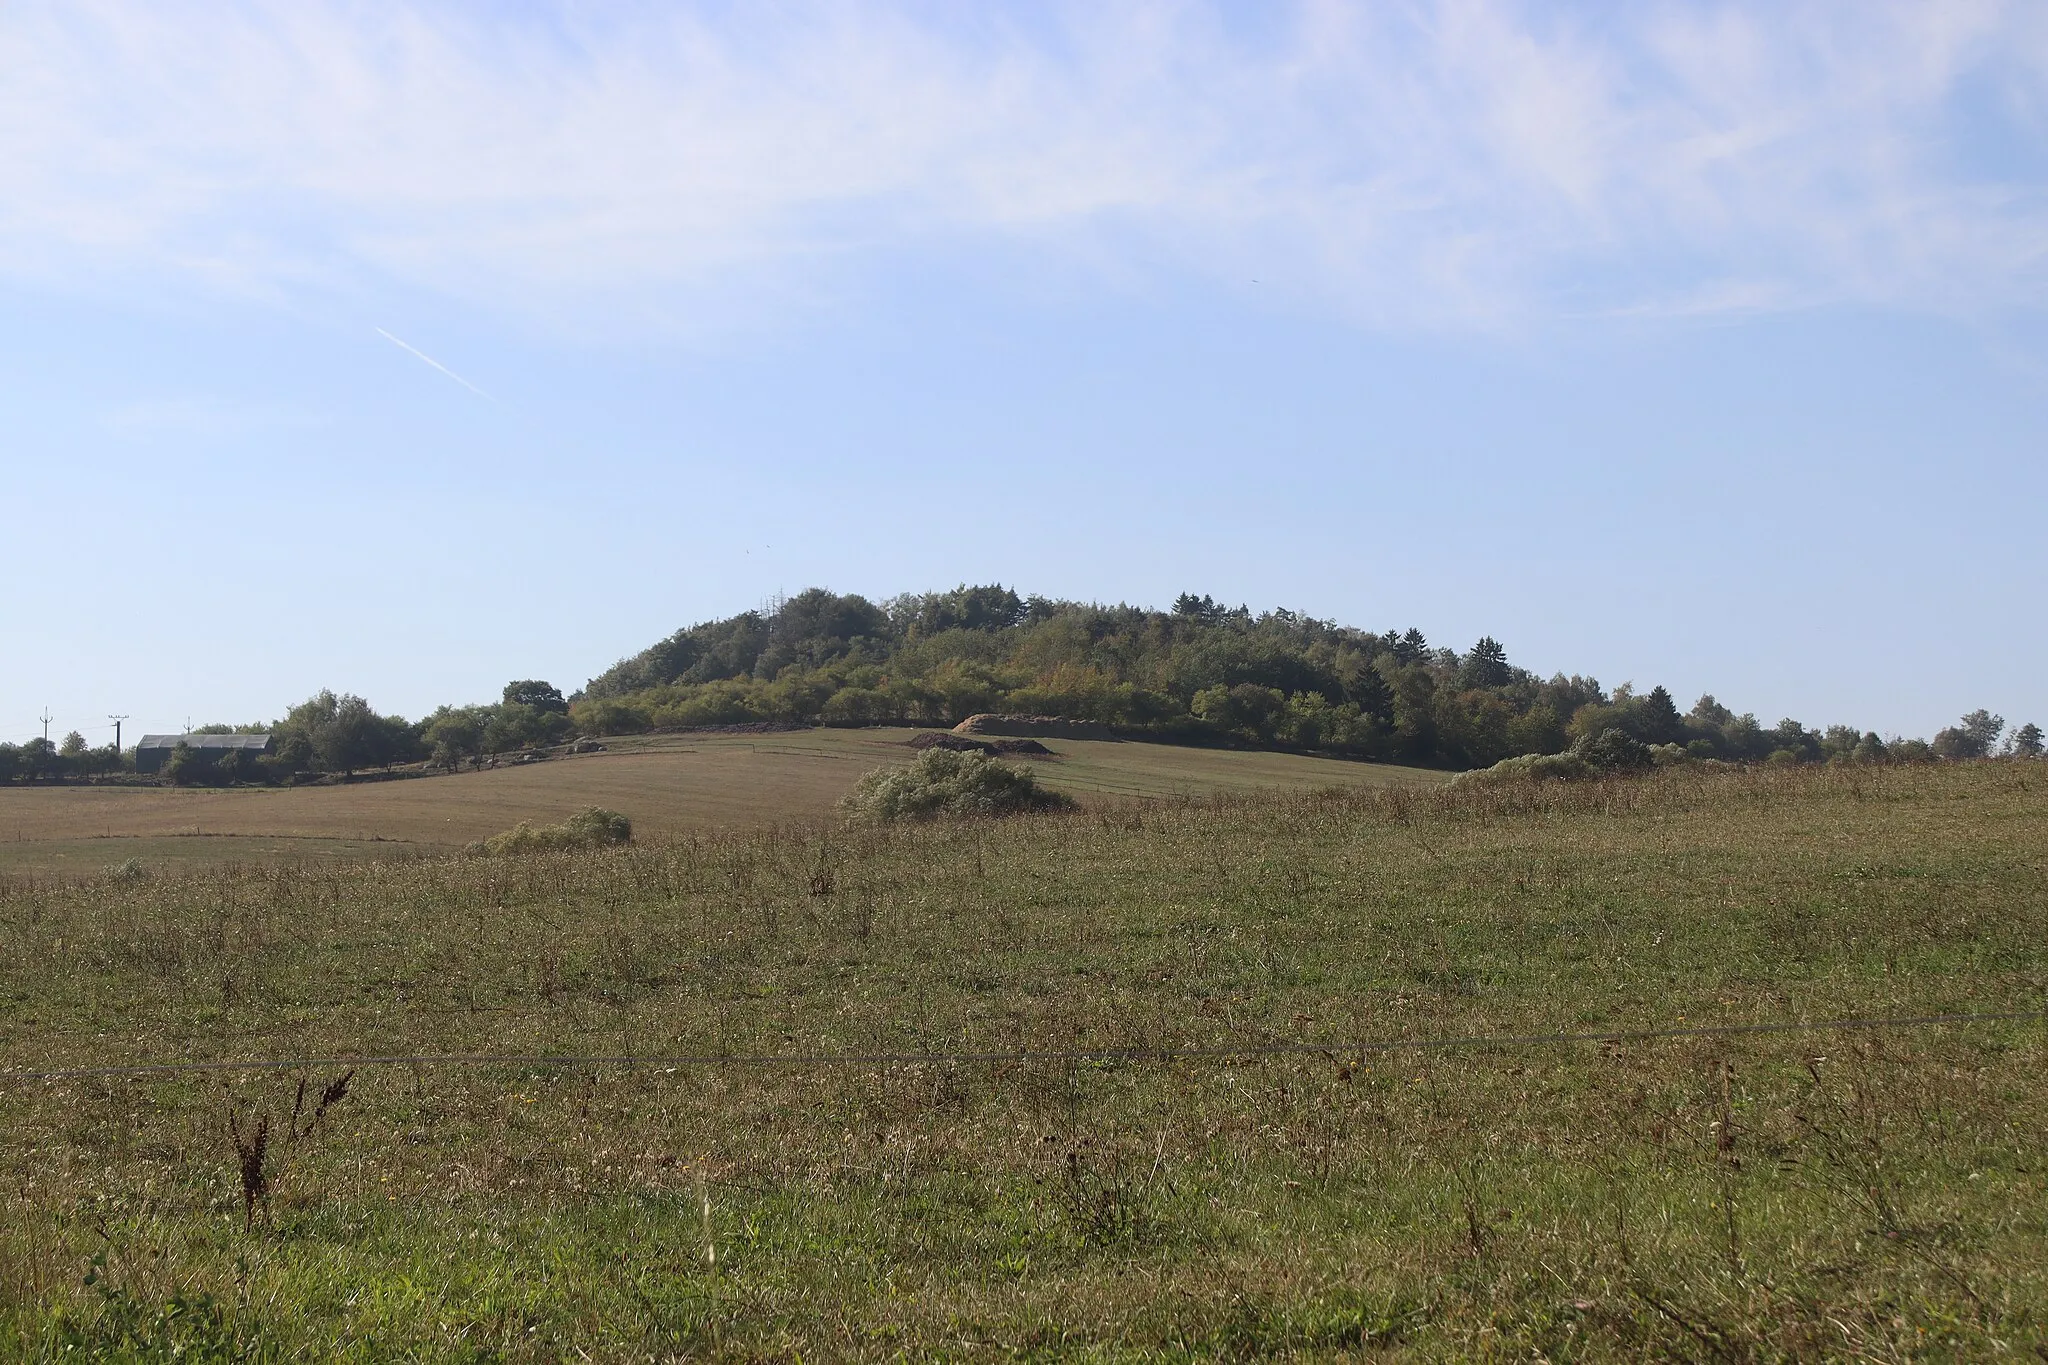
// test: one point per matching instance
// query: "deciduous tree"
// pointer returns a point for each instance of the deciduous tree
(1972, 737)
(542, 696)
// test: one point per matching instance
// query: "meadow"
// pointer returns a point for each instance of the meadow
(668, 784)
(898, 1092)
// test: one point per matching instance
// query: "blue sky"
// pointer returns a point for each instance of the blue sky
(1700, 344)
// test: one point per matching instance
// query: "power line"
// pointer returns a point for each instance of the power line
(1113, 1054)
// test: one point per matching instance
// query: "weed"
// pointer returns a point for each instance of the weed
(182, 1328)
(250, 1137)
(334, 1093)
(547, 974)
(591, 827)
(252, 1149)
(1856, 1161)
(1105, 1198)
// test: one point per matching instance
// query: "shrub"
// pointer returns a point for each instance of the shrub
(1614, 750)
(591, 827)
(946, 782)
(1564, 767)
(1610, 752)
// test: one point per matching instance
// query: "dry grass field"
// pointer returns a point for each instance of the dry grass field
(667, 784)
(1878, 1195)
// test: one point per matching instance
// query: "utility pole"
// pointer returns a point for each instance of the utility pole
(46, 724)
(117, 733)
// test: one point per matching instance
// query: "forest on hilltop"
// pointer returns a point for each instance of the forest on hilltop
(1201, 673)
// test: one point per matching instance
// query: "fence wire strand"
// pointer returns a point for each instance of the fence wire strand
(1335, 1049)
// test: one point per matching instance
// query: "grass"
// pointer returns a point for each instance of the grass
(71, 860)
(668, 784)
(1869, 1195)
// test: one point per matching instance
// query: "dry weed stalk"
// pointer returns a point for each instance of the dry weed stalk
(251, 1150)
(335, 1093)
(251, 1139)
(1728, 1163)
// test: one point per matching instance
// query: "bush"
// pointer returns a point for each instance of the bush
(946, 782)
(1614, 750)
(1610, 752)
(591, 827)
(1565, 767)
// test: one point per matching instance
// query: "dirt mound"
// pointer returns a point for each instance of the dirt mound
(1007, 748)
(939, 739)
(1040, 727)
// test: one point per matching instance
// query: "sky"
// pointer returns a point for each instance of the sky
(406, 349)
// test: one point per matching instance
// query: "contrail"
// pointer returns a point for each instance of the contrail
(435, 363)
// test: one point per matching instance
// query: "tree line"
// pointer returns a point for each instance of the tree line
(1202, 672)
(42, 759)
(328, 733)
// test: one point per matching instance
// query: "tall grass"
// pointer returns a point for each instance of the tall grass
(1786, 1196)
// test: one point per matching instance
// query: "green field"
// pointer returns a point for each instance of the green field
(668, 784)
(1879, 1194)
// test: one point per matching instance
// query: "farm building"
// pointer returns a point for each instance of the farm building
(153, 751)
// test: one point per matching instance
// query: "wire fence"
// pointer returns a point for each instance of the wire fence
(1334, 1049)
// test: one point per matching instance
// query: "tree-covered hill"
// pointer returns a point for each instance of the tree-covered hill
(1201, 672)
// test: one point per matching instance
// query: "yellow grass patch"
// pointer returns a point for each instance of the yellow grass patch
(667, 784)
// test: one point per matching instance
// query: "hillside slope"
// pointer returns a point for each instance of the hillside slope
(668, 784)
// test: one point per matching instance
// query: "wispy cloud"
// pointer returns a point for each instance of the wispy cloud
(414, 350)
(1434, 162)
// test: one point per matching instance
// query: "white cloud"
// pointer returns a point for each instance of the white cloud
(1461, 162)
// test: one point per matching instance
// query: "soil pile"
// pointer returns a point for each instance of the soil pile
(1006, 748)
(938, 739)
